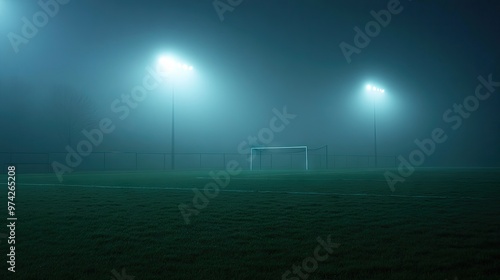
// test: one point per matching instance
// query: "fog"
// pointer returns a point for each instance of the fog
(264, 56)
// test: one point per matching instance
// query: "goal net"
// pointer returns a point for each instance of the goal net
(269, 158)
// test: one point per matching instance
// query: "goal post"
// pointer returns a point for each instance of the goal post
(255, 149)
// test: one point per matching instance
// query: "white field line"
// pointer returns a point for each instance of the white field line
(249, 191)
(301, 179)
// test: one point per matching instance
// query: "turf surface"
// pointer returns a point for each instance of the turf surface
(439, 224)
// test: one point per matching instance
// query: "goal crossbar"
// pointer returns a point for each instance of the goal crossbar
(277, 148)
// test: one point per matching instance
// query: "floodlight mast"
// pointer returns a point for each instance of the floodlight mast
(173, 67)
(375, 132)
(376, 93)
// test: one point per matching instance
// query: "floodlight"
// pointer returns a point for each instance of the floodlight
(165, 60)
(375, 91)
(167, 63)
(170, 65)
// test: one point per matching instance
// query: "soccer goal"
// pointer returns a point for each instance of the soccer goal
(293, 154)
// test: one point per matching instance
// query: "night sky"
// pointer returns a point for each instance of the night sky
(262, 55)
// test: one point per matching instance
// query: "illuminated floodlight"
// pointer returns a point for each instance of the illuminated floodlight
(169, 64)
(375, 91)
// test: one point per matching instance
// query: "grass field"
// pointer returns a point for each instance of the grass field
(439, 224)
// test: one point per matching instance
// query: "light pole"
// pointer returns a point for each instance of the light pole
(172, 68)
(375, 93)
(172, 134)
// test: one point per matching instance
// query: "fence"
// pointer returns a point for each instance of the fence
(318, 159)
